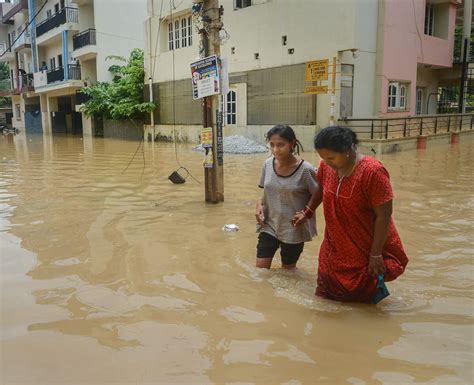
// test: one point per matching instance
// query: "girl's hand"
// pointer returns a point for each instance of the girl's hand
(376, 265)
(298, 218)
(259, 215)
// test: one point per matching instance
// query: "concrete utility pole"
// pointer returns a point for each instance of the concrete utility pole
(212, 113)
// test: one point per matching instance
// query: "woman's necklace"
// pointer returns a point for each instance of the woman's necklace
(347, 173)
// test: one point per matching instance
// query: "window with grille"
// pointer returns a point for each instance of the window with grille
(231, 108)
(180, 33)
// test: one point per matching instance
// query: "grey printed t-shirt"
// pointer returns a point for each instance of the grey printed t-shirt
(283, 196)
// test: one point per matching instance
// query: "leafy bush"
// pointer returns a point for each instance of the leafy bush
(122, 98)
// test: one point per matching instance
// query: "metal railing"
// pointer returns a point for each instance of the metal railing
(57, 74)
(410, 126)
(83, 39)
(65, 15)
(81, 97)
(74, 71)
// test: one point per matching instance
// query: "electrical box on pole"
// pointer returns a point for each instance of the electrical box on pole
(206, 83)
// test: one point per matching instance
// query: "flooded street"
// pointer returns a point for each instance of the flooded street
(114, 275)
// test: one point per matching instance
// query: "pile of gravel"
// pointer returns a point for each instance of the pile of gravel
(237, 144)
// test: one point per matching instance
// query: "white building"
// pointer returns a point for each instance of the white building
(388, 55)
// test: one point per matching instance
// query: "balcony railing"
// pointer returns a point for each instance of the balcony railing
(65, 15)
(22, 83)
(23, 40)
(83, 39)
(74, 71)
(81, 97)
(57, 74)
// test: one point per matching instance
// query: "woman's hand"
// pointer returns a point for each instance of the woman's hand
(259, 214)
(376, 265)
(298, 218)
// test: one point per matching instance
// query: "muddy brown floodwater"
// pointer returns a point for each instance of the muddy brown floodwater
(114, 276)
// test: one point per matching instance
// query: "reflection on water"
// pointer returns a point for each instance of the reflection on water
(115, 275)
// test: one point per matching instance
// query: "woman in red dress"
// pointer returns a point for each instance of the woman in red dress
(361, 248)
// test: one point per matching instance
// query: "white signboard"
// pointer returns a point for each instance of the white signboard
(205, 77)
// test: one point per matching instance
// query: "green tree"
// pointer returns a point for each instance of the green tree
(122, 98)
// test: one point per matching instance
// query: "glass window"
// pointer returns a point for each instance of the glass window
(403, 97)
(392, 95)
(184, 32)
(231, 117)
(176, 34)
(429, 19)
(180, 33)
(170, 37)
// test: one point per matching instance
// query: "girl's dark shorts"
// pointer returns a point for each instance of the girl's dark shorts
(268, 245)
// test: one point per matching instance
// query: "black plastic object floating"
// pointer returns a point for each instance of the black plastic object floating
(177, 178)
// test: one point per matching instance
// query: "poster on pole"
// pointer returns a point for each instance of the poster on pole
(205, 77)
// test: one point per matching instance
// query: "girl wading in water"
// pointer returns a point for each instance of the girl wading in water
(361, 248)
(288, 184)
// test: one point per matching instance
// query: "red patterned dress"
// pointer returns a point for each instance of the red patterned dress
(349, 215)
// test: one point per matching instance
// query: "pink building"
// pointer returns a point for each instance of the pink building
(418, 42)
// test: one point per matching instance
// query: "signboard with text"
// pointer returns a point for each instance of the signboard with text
(316, 89)
(317, 70)
(205, 77)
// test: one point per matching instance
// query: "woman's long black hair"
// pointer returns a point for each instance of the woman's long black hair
(287, 133)
(336, 138)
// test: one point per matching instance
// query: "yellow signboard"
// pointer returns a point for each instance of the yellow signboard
(316, 90)
(317, 70)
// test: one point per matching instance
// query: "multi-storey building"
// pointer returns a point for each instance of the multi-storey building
(390, 58)
(15, 48)
(64, 47)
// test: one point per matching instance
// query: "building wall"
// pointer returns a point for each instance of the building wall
(86, 17)
(119, 25)
(331, 29)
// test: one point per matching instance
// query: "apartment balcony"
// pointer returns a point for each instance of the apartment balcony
(64, 19)
(23, 43)
(8, 10)
(6, 53)
(58, 78)
(22, 84)
(84, 45)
